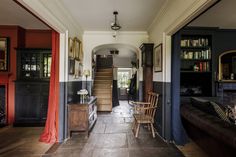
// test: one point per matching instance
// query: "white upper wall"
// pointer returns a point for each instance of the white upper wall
(120, 62)
(172, 17)
(92, 39)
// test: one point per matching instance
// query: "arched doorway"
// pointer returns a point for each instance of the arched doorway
(123, 59)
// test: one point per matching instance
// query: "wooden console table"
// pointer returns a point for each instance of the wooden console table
(82, 116)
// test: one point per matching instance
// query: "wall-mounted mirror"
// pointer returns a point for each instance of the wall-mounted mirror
(227, 65)
(4, 54)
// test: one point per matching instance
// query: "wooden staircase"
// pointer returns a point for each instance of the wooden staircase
(102, 88)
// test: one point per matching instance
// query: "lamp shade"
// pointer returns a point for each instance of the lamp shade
(86, 73)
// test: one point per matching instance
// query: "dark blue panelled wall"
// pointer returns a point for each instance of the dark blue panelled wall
(222, 40)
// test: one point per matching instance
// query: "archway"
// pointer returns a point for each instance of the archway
(123, 58)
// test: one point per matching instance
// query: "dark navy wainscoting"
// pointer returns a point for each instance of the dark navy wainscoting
(62, 111)
(163, 113)
(115, 101)
(140, 91)
(87, 86)
(68, 94)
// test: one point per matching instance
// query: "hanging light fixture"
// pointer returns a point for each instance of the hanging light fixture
(115, 26)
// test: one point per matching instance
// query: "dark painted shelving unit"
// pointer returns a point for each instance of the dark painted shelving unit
(32, 86)
(195, 65)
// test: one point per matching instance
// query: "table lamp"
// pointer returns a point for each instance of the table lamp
(86, 73)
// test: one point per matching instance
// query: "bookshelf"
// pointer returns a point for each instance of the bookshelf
(196, 65)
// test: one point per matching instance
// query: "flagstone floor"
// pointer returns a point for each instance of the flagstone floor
(110, 137)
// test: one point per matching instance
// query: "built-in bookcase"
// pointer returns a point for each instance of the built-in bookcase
(196, 65)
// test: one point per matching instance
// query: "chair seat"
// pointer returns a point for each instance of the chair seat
(143, 118)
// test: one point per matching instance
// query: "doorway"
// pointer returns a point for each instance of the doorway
(123, 82)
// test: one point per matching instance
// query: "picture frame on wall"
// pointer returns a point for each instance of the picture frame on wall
(71, 66)
(77, 45)
(157, 58)
(4, 54)
(71, 48)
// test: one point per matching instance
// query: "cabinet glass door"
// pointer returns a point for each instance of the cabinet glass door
(47, 59)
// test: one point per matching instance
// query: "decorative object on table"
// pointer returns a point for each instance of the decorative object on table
(71, 48)
(157, 58)
(83, 94)
(86, 73)
(4, 54)
(71, 66)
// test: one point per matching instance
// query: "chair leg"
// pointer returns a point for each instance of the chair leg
(149, 127)
(153, 132)
(137, 130)
(133, 125)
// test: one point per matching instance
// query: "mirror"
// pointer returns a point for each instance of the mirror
(4, 54)
(227, 65)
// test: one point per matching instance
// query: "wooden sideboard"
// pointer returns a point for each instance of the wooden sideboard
(82, 116)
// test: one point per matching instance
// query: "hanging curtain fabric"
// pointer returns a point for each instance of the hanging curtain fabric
(50, 133)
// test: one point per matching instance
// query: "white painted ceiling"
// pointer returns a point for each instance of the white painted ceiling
(97, 15)
(13, 14)
(222, 15)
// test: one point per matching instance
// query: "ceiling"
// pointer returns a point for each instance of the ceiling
(134, 15)
(13, 14)
(222, 15)
(97, 15)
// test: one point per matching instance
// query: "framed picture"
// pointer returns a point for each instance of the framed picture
(71, 48)
(71, 66)
(157, 58)
(4, 54)
(80, 69)
(77, 48)
(81, 53)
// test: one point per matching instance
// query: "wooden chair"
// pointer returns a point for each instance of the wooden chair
(144, 113)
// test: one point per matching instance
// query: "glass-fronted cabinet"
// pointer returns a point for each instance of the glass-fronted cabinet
(34, 63)
(32, 86)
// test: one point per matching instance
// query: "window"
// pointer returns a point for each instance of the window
(123, 78)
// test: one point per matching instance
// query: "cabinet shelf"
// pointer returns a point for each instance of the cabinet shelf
(195, 60)
(196, 48)
(197, 72)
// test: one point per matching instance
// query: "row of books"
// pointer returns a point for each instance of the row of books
(202, 67)
(204, 54)
(200, 42)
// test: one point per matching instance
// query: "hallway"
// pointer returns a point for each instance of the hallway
(112, 137)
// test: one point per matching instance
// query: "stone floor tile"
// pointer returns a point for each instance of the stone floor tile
(99, 128)
(120, 152)
(118, 128)
(154, 152)
(112, 141)
(145, 141)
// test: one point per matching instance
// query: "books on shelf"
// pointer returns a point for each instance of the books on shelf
(203, 54)
(201, 67)
(199, 42)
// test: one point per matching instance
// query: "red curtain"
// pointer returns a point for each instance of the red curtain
(50, 133)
